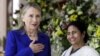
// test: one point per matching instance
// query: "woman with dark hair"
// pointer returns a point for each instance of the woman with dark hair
(78, 37)
(28, 40)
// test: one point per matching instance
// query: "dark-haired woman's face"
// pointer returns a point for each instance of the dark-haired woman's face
(74, 35)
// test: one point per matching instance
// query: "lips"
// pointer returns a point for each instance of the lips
(72, 39)
(34, 24)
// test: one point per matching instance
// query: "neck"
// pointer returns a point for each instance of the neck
(31, 32)
(77, 46)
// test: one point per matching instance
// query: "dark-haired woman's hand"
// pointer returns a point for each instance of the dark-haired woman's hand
(38, 47)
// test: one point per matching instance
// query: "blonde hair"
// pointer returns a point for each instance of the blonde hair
(24, 9)
(27, 6)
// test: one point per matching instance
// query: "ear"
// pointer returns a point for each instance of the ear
(22, 17)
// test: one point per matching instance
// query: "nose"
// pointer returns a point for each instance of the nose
(34, 19)
(70, 35)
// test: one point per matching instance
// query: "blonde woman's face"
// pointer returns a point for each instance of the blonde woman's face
(32, 18)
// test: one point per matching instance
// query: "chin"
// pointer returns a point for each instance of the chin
(73, 43)
(33, 28)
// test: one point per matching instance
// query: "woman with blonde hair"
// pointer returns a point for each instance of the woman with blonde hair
(28, 41)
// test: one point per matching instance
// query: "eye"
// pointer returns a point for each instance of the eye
(31, 16)
(38, 16)
(68, 33)
(74, 32)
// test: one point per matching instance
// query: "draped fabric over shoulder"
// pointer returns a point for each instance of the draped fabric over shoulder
(83, 51)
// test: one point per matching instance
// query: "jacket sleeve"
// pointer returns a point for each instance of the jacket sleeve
(11, 47)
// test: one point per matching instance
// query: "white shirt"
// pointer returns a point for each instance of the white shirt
(83, 51)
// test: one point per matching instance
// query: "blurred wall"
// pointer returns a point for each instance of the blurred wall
(3, 21)
(3, 16)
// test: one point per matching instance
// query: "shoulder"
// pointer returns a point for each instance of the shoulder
(88, 48)
(91, 51)
(13, 33)
(67, 51)
(63, 54)
(43, 35)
